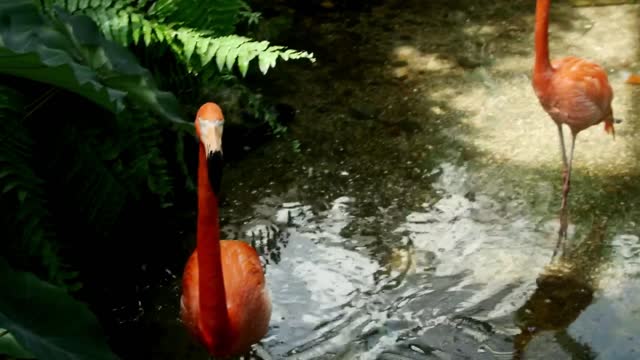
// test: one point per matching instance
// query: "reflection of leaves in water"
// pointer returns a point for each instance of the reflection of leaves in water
(268, 240)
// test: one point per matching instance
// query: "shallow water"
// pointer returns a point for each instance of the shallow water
(420, 219)
(460, 282)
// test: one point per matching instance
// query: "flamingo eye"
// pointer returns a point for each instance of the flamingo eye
(210, 122)
(206, 124)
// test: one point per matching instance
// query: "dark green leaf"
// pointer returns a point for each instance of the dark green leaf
(47, 321)
(10, 347)
(71, 52)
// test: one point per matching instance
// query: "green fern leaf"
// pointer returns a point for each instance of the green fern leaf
(245, 57)
(221, 55)
(81, 5)
(229, 50)
(267, 60)
(188, 44)
(125, 23)
(212, 49)
(217, 16)
(121, 23)
(136, 27)
(231, 57)
(72, 5)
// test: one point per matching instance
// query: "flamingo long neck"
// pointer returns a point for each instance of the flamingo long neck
(214, 320)
(542, 63)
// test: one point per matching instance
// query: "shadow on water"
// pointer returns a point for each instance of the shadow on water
(418, 219)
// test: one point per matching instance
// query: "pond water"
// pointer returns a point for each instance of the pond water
(418, 218)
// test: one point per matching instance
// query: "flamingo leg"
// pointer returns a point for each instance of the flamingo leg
(562, 235)
(567, 178)
(564, 153)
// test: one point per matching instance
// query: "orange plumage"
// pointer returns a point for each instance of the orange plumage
(633, 79)
(576, 94)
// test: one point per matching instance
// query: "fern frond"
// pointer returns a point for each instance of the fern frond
(226, 51)
(233, 49)
(81, 5)
(128, 25)
(19, 184)
(216, 16)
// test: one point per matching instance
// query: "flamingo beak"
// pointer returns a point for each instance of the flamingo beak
(211, 138)
(214, 165)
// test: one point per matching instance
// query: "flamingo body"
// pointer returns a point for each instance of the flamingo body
(576, 92)
(225, 303)
(248, 300)
(573, 91)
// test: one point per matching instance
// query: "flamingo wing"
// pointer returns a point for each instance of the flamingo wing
(582, 94)
(248, 300)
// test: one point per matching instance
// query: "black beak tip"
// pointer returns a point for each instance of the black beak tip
(214, 165)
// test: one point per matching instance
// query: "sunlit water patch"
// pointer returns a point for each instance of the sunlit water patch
(482, 257)
(491, 245)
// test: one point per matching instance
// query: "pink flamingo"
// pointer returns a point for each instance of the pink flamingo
(571, 90)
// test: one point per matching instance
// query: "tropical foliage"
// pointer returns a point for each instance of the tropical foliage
(198, 32)
(69, 53)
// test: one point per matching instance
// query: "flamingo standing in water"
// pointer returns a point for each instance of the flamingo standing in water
(225, 303)
(571, 90)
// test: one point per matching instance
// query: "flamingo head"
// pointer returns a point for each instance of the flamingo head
(209, 125)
